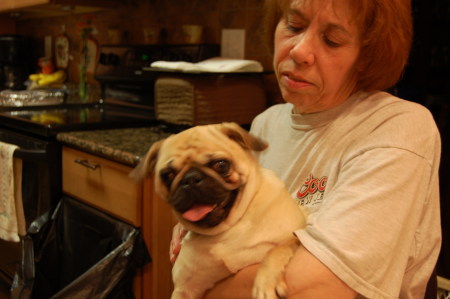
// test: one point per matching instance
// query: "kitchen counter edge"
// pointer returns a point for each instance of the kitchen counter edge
(125, 146)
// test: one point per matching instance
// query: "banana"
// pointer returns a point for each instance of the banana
(47, 79)
(35, 77)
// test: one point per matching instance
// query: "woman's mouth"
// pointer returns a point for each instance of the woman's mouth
(294, 82)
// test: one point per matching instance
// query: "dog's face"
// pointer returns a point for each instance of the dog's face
(201, 171)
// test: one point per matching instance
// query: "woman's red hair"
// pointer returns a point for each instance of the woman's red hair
(385, 28)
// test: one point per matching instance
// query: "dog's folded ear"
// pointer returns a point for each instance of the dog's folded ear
(243, 137)
(146, 166)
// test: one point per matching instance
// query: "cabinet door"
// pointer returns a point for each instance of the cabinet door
(26, 3)
(103, 184)
(50, 5)
(6, 5)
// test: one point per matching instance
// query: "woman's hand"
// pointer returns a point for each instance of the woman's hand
(178, 234)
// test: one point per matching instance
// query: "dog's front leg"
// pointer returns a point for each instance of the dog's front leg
(196, 271)
(269, 281)
(180, 294)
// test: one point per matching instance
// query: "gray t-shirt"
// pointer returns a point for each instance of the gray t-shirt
(367, 170)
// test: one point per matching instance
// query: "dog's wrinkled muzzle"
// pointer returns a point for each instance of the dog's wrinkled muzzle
(201, 199)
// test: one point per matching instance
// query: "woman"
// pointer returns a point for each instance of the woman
(364, 162)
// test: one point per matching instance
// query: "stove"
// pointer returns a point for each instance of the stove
(49, 121)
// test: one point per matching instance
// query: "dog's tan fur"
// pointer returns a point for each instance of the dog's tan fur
(259, 227)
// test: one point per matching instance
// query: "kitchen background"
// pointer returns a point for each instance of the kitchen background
(426, 80)
(125, 22)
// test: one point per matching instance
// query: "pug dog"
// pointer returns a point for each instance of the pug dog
(236, 213)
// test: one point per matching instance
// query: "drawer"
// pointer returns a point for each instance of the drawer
(103, 184)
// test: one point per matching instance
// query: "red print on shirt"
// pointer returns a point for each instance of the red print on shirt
(311, 192)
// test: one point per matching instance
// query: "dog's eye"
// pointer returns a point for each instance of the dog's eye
(222, 167)
(167, 175)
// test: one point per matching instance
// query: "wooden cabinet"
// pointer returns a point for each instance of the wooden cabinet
(48, 8)
(105, 184)
(158, 284)
(14, 4)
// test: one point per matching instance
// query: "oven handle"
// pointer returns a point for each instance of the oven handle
(30, 155)
(86, 163)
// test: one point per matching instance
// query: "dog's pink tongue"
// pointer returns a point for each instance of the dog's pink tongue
(198, 212)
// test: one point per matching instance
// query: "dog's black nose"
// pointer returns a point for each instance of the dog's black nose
(192, 178)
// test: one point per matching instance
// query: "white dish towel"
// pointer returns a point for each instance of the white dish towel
(12, 220)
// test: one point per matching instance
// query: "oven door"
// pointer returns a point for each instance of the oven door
(41, 190)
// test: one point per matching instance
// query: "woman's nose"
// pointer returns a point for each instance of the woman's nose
(302, 51)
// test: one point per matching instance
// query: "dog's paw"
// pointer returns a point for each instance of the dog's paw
(269, 287)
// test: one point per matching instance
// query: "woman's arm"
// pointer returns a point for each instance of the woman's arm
(306, 277)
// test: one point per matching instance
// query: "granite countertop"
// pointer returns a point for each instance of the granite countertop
(125, 146)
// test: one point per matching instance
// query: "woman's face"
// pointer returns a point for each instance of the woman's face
(316, 47)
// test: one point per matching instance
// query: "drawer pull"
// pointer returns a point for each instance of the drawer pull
(86, 163)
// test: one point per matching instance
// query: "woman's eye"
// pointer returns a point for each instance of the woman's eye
(222, 167)
(330, 42)
(294, 25)
(295, 29)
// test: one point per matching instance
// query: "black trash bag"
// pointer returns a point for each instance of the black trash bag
(80, 252)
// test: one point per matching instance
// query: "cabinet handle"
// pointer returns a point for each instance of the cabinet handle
(86, 163)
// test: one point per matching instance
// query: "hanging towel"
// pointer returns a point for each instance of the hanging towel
(12, 220)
